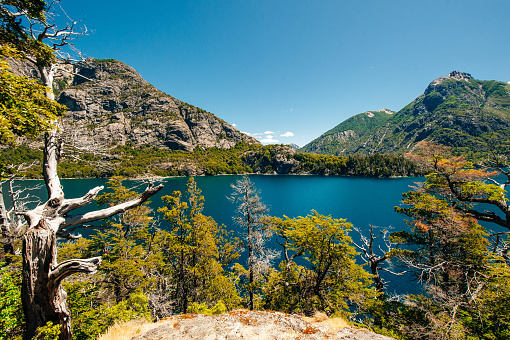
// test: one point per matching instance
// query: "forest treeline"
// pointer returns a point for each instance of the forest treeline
(136, 161)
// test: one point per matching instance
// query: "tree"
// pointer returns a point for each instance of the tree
(369, 255)
(250, 217)
(43, 297)
(450, 252)
(193, 249)
(328, 278)
(463, 186)
(451, 257)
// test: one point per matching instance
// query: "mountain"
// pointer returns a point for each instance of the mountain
(467, 114)
(111, 104)
(358, 128)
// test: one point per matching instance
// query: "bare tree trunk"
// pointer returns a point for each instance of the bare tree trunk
(43, 297)
(39, 256)
(379, 284)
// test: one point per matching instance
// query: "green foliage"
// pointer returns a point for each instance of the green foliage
(48, 332)
(371, 166)
(202, 308)
(132, 162)
(124, 246)
(494, 88)
(11, 313)
(13, 32)
(89, 319)
(192, 251)
(490, 318)
(360, 123)
(25, 109)
(330, 281)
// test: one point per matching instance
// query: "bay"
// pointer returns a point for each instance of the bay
(361, 201)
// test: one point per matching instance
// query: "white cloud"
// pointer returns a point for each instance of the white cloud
(268, 132)
(246, 133)
(234, 125)
(269, 139)
(287, 134)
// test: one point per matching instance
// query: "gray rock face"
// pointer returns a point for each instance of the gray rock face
(110, 103)
(253, 325)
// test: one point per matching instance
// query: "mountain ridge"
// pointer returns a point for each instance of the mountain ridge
(111, 103)
(455, 110)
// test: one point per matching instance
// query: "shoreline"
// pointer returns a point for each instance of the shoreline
(160, 178)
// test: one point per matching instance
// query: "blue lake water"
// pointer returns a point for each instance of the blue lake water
(361, 201)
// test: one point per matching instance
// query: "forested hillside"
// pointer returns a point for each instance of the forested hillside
(147, 160)
(472, 116)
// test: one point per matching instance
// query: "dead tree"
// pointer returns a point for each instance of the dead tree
(44, 299)
(374, 260)
(11, 225)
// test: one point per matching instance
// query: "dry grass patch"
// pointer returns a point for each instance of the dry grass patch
(128, 329)
(333, 325)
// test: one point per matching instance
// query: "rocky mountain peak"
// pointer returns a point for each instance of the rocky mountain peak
(457, 75)
(92, 69)
(110, 103)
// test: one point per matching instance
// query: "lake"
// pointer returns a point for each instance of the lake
(361, 201)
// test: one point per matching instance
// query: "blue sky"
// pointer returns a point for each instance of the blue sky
(287, 71)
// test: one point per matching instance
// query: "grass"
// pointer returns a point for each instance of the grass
(127, 330)
(333, 324)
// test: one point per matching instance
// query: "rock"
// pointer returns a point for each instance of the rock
(253, 325)
(111, 104)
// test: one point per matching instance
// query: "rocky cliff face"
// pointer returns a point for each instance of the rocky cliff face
(456, 110)
(110, 103)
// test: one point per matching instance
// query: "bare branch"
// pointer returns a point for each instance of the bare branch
(67, 268)
(71, 204)
(108, 212)
(392, 272)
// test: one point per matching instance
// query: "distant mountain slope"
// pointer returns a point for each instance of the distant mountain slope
(112, 104)
(358, 128)
(456, 110)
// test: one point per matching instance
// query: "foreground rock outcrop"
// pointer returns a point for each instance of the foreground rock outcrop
(253, 325)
